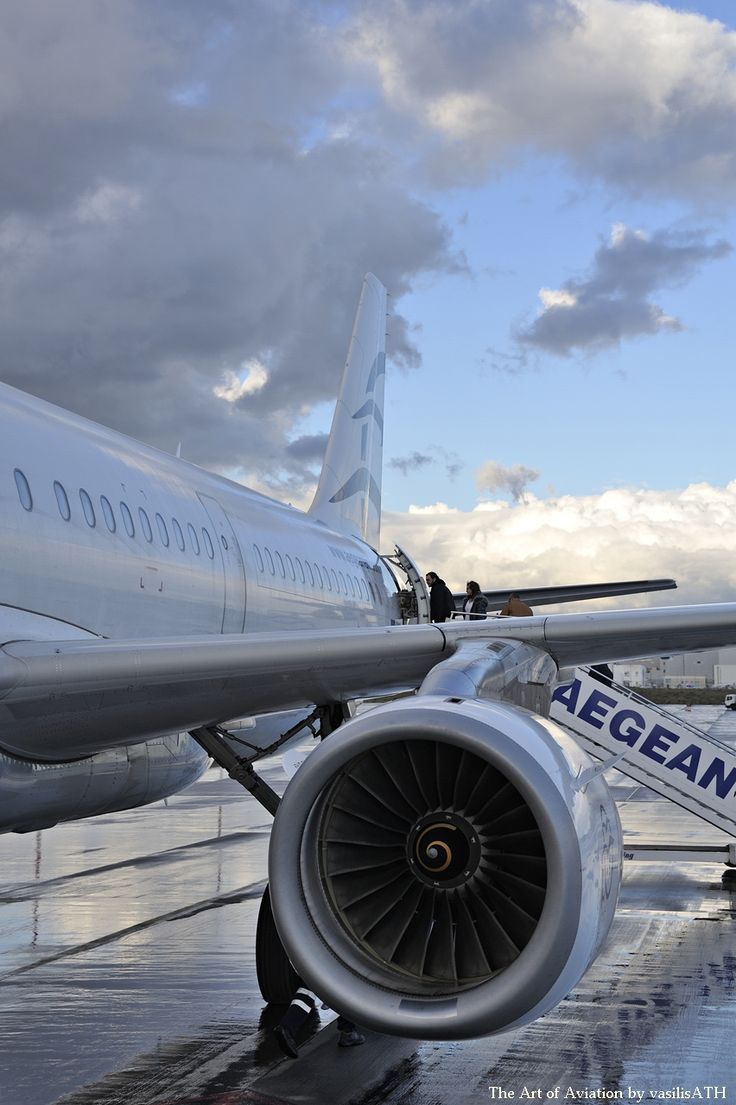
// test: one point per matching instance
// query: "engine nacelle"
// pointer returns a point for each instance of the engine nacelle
(441, 869)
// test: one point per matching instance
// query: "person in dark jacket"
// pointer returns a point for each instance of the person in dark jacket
(603, 673)
(441, 604)
(476, 604)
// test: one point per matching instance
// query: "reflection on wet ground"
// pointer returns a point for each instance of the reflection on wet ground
(128, 975)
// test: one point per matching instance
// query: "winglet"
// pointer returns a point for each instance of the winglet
(348, 496)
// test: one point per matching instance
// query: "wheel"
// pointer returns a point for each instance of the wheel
(277, 979)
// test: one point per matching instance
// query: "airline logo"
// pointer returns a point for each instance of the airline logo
(362, 480)
(693, 764)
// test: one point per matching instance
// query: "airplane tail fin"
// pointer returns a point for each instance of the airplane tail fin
(348, 496)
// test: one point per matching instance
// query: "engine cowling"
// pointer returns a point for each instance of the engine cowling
(445, 868)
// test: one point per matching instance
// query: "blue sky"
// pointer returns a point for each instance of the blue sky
(652, 411)
(648, 411)
(190, 195)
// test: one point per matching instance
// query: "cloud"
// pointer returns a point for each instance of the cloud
(239, 386)
(173, 211)
(411, 463)
(309, 448)
(514, 478)
(634, 93)
(108, 203)
(689, 535)
(611, 304)
(172, 207)
(452, 463)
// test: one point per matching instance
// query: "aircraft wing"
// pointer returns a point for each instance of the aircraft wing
(543, 596)
(67, 699)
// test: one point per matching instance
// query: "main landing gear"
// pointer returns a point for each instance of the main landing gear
(277, 979)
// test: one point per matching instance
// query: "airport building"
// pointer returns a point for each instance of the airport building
(716, 668)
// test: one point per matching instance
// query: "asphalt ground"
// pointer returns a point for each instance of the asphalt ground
(128, 976)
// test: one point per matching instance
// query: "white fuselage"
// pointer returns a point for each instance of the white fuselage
(100, 535)
(166, 548)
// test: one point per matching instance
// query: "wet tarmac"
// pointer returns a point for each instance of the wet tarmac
(128, 975)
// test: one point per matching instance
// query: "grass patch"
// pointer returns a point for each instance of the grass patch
(689, 696)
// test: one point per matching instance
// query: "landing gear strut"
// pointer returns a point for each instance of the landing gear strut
(213, 740)
(277, 979)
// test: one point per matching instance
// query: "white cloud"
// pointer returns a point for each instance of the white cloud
(623, 533)
(557, 297)
(108, 203)
(436, 508)
(631, 91)
(620, 232)
(238, 386)
(513, 478)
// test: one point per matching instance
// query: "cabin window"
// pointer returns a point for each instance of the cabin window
(352, 586)
(223, 541)
(373, 597)
(280, 565)
(318, 574)
(259, 558)
(326, 578)
(179, 536)
(127, 520)
(290, 566)
(193, 539)
(343, 584)
(163, 532)
(145, 524)
(208, 543)
(299, 569)
(108, 513)
(310, 573)
(89, 510)
(364, 589)
(269, 561)
(24, 491)
(62, 501)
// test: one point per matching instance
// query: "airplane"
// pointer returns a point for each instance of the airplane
(445, 865)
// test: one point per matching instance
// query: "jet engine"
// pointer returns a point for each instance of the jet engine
(444, 868)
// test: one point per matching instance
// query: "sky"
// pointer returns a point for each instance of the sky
(191, 193)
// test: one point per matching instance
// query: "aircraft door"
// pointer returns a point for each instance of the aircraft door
(233, 612)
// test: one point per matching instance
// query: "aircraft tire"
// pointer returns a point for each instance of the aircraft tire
(277, 979)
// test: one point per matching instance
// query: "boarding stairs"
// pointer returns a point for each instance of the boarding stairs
(660, 750)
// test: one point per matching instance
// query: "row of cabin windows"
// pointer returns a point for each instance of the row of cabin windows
(88, 510)
(323, 578)
(326, 579)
